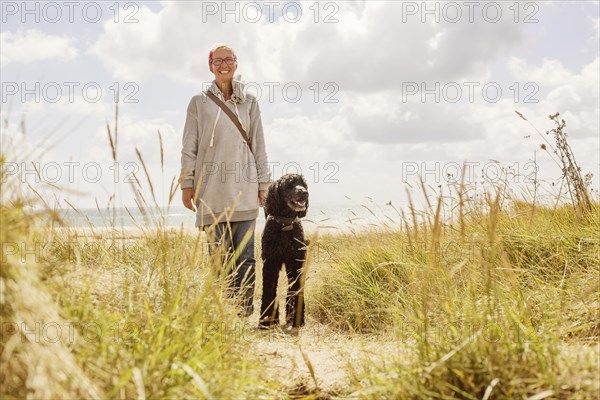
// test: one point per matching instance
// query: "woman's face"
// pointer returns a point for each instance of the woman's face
(227, 67)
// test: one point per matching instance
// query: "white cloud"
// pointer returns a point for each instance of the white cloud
(307, 140)
(508, 138)
(62, 125)
(377, 134)
(22, 163)
(175, 41)
(16, 146)
(34, 45)
(369, 53)
(384, 117)
(575, 95)
(551, 72)
(94, 175)
(140, 133)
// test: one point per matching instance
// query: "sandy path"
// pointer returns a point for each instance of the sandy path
(335, 359)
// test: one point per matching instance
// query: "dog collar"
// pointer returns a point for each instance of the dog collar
(287, 222)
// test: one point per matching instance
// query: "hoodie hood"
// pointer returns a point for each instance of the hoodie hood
(239, 90)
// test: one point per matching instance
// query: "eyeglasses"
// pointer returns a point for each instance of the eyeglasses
(218, 61)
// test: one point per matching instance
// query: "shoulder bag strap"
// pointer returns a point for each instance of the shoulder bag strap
(230, 114)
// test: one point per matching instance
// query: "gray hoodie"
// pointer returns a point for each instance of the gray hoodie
(217, 163)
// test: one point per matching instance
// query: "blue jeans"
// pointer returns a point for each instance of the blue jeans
(229, 237)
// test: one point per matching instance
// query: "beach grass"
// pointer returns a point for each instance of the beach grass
(492, 298)
(508, 309)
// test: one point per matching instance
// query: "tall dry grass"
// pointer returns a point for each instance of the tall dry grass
(496, 296)
(103, 314)
(499, 300)
(488, 295)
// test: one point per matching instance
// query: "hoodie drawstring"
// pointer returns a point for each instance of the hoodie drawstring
(212, 137)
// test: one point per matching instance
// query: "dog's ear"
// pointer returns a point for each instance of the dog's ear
(273, 202)
(303, 182)
(302, 214)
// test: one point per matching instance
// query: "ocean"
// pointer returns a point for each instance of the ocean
(327, 217)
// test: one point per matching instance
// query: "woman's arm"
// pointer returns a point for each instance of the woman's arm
(189, 152)
(258, 147)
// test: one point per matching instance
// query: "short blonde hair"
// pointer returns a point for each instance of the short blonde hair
(221, 46)
(215, 48)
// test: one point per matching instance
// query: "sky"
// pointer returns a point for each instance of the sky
(363, 98)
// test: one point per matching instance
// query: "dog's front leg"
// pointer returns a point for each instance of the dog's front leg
(269, 313)
(295, 295)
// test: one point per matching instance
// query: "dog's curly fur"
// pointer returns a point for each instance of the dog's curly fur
(283, 242)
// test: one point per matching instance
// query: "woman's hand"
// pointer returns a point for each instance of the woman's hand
(187, 196)
(262, 196)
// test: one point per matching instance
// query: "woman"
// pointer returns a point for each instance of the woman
(224, 176)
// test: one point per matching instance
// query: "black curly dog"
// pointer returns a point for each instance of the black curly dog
(283, 242)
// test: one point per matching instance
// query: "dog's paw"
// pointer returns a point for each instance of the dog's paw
(267, 323)
(291, 330)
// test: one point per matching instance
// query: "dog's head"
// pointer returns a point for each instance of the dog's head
(288, 196)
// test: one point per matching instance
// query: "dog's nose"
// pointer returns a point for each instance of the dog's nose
(301, 189)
